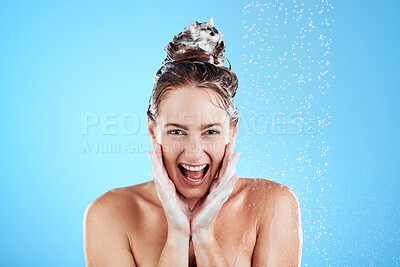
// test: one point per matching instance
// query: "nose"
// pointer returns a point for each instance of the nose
(194, 149)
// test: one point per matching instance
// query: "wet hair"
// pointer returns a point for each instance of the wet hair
(195, 58)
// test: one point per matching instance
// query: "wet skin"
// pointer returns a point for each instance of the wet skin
(239, 222)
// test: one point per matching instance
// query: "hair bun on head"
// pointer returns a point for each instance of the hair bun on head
(195, 58)
(200, 42)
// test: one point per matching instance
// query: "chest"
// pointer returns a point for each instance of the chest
(234, 231)
(237, 251)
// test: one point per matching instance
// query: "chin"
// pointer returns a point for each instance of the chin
(193, 193)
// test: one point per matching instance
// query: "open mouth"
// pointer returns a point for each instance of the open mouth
(193, 174)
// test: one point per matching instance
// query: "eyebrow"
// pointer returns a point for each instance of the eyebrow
(185, 128)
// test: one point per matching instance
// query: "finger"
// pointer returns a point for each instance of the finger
(231, 184)
(158, 154)
(159, 187)
(165, 191)
(153, 159)
(157, 166)
(218, 185)
(156, 157)
(232, 162)
(215, 183)
(230, 168)
(233, 144)
(158, 175)
(184, 203)
(229, 188)
(228, 152)
(157, 182)
(225, 190)
(158, 151)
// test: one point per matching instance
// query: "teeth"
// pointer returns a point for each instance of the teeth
(190, 168)
(193, 180)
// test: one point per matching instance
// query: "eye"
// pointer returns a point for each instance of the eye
(212, 132)
(175, 132)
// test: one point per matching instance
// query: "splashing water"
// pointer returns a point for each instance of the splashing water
(285, 109)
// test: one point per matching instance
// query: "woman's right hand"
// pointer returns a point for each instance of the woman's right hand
(175, 206)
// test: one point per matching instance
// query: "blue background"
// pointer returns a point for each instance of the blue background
(64, 61)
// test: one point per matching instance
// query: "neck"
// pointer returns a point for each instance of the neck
(192, 202)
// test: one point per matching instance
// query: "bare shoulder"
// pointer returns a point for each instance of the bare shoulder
(278, 223)
(267, 197)
(118, 204)
(110, 203)
(108, 222)
(264, 190)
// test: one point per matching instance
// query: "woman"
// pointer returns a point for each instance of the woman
(196, 211)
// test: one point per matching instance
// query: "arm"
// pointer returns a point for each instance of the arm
(208, 251)
(279, 237)
(105, 241)
(176, 248)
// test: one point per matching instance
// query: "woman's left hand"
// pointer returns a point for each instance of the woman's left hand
(206, 210)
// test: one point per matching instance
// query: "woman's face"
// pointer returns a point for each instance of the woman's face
(193, 132)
